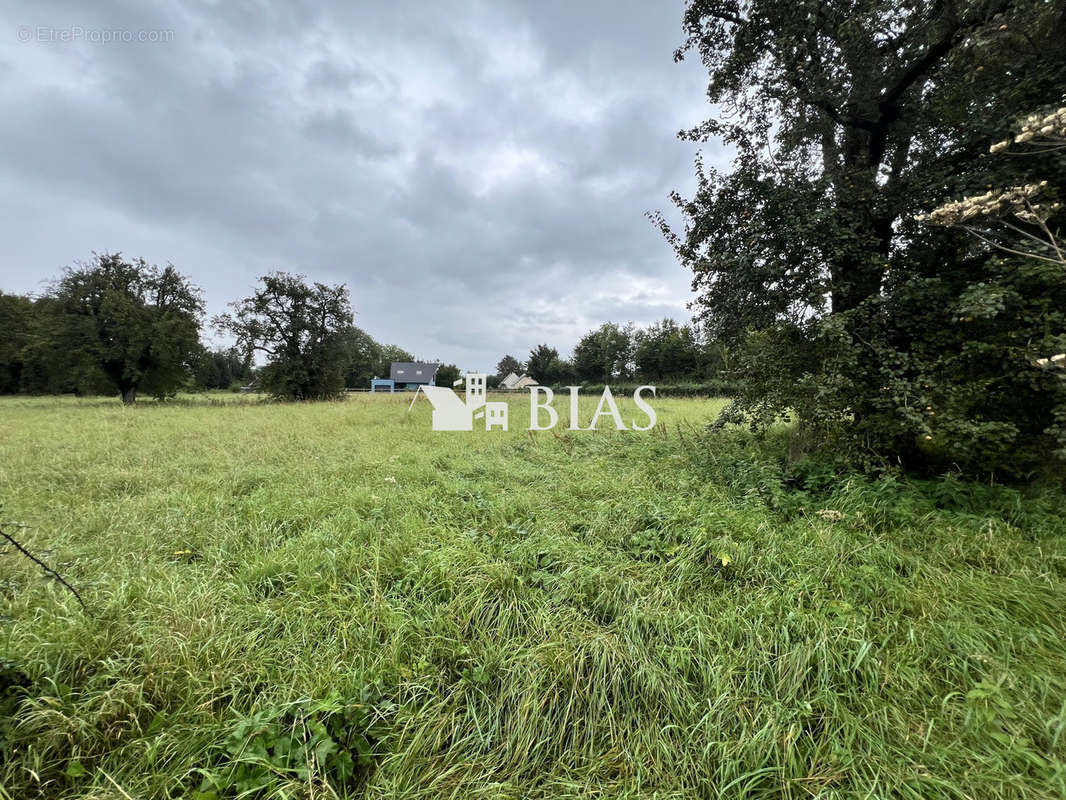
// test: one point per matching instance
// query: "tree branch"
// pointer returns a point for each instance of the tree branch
(46, 568)
(921, 65)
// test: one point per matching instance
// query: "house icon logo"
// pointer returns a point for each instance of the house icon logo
(452, 414)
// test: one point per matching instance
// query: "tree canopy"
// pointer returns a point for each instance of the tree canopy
(133, 323)
(447, 374)
(305, 331)
(545, 366)
(507, 365)
(848, 118)
(16, 313)
(666, 350)
(604, 353)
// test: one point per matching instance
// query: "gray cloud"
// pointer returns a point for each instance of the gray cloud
(477, 173)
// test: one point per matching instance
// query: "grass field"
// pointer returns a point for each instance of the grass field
(332, 600)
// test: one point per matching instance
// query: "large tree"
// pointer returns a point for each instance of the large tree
(604, 353)
(847, 118)
(136, 324)
(507, 365)
(666, 350)
(447, 374)
(303, 329)
(545, 366)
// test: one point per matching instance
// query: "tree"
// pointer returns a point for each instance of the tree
(16, 312)
(604, 353)
(134, 323)
(391, 353)
(507, 365)
(42, 360)
(363, 356)
(666, 350)
(302, 328)
(848, 117)
(447, 374)
(545, 366)
(221, 369)
(1021, 302)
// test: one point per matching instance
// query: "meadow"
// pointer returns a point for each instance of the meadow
(330, 600)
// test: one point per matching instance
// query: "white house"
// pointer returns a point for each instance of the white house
(515, 383)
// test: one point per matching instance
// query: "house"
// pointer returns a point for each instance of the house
(409, 375)
(515, 383)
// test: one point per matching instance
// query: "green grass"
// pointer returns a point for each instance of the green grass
(332, 600)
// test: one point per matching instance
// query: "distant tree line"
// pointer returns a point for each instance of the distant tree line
(123, 326)
(663, 352)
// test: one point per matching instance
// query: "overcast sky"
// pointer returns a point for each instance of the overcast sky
(476, 173)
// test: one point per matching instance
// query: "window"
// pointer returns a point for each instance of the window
(418, 372)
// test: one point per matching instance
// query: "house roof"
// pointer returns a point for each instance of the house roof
(413, 371)
(512, 381)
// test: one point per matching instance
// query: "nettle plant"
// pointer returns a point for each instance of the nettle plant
(316, 746)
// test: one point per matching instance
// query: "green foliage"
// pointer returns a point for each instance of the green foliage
(222, 369)
(304, 330)
(363, 356)
(447, 374)
(663, 353)
(604, 353)
(282, 749)
(14, 685)
(849, 119)
(389, 354)
(15, 315)
(709, 388)
(545, 366)
(507, 365)
(942, 372)
(128, 323)
(666, 350)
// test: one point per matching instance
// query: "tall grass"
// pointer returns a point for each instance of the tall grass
(333, 601)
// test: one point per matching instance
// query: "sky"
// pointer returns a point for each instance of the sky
(477, 173)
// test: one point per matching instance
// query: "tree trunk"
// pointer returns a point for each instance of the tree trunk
(129, 395)
(858, 274)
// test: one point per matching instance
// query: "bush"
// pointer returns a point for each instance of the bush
(941, 372)
(709, 388)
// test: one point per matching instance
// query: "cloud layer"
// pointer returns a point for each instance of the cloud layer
(477, 173)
